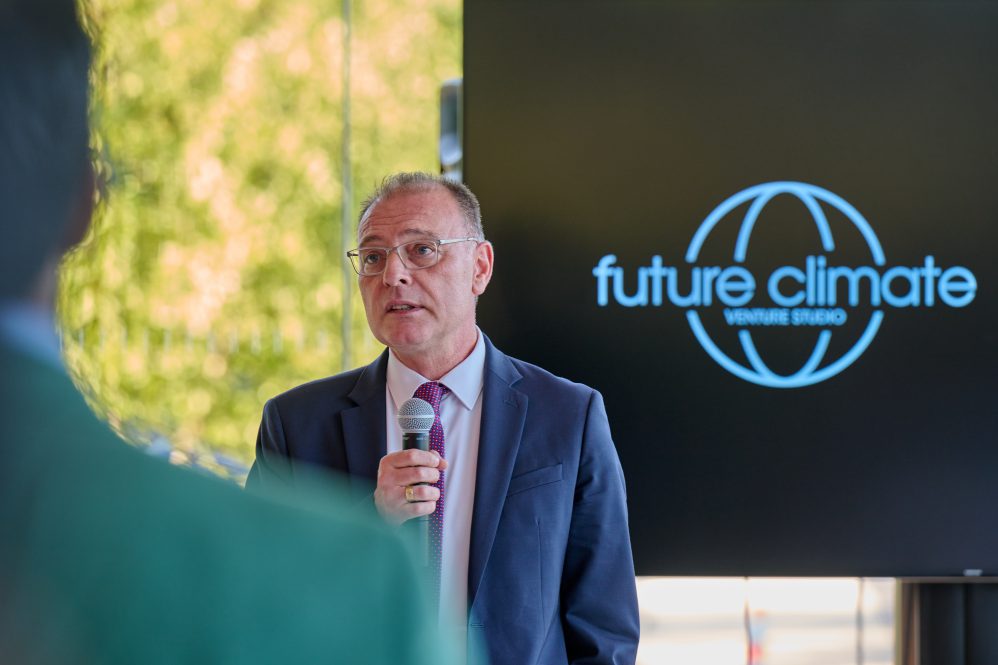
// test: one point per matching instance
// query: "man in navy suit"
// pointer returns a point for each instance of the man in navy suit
(531, 553)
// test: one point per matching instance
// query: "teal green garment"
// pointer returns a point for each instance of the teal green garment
(110, 556)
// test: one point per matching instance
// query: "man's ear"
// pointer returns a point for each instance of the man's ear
(484, 260)
(82, 212)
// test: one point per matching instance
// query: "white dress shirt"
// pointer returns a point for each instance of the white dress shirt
(461, 418)
(31, 330)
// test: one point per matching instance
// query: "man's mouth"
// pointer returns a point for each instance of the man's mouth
(402, 307)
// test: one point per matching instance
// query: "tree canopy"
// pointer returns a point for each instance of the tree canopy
(213, 277)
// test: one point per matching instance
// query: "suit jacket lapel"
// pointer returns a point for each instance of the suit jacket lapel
(504, 410)
(364, 438)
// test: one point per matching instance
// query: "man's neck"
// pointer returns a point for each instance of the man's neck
(41, 294)
(435, 364)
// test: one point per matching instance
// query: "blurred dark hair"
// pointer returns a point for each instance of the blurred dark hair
(44, 136)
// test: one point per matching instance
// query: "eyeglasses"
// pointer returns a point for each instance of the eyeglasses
(415, 255)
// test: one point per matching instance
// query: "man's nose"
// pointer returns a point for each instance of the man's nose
(395, 271)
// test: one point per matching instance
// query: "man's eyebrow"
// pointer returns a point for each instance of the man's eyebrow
(414, 232)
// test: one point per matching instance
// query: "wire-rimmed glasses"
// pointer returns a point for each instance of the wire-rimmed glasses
(415, 255)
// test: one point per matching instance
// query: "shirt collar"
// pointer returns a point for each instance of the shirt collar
(465, 381)
(31, 330)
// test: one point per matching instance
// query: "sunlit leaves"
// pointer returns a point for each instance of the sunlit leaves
(214, 277)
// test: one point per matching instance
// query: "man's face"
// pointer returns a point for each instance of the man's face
(424, 314)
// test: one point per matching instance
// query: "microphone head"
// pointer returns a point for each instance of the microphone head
(415, 415)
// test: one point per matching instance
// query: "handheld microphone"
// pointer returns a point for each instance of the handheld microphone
(415, 418)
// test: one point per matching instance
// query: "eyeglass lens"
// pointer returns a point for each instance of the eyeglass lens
(416, 254)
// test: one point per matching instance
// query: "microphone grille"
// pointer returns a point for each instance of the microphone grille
(415, 415)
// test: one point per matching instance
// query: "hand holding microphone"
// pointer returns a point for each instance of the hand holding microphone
(410, 471)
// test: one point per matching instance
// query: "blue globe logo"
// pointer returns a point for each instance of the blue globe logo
(818, 367)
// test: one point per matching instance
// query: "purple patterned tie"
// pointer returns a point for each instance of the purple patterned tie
(433, 392)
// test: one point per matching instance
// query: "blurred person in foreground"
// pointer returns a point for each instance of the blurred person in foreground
(108, 555)
(530, 551)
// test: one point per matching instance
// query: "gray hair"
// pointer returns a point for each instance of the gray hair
(406, 182)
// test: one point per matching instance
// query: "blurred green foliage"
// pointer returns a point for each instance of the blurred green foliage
(213, 278)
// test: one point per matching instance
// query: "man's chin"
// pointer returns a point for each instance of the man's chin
(406, 341)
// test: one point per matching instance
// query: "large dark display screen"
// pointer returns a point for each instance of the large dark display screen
(767, 233)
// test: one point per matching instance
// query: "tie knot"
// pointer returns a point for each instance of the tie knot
(432, 392)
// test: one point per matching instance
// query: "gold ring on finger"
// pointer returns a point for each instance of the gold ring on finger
(410, 494)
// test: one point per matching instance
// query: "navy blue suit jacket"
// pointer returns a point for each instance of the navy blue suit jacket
(551, 577)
